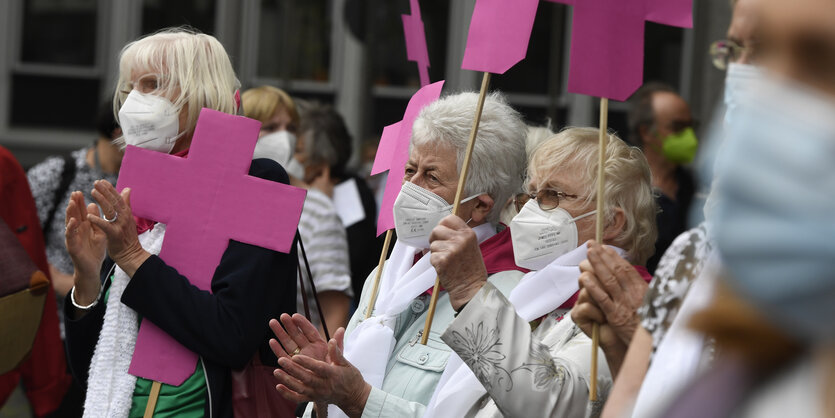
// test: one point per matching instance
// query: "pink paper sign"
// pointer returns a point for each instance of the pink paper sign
(499, 34)
(387, 147)
(607, 42)
(607, 47)
(394, 152)
(416, 42)
(205, 200)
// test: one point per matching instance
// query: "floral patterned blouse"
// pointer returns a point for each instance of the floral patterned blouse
(544, 373)
(680, 265)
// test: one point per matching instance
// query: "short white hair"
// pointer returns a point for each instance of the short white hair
(193, 69)
(628, 183)
(497, 164)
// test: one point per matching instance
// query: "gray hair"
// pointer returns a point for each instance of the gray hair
(497, 164)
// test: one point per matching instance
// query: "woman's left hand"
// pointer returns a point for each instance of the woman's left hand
(335, 380)
(122, 241)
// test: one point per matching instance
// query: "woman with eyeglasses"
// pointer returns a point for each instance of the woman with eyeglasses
(522, 355)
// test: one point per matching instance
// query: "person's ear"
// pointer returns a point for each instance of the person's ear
(117, 132)
(484, 204)
(616, 226)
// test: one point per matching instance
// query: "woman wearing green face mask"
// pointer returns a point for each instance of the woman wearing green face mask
(661, 124)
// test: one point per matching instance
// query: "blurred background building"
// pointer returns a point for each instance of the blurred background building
(59, 60)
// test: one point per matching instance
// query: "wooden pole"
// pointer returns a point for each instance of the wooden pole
(601, 172)
(152, 399)
(462, 179)
(377, 276)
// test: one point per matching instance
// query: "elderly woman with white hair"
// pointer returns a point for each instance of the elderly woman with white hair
(165, 80)
(386, 372)
(503, 368)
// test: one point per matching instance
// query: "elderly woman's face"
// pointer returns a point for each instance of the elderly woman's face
(434, 168)
(569, 181)
(149, 82)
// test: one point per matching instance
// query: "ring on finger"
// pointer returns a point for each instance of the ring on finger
(111, 220)
(296, 351)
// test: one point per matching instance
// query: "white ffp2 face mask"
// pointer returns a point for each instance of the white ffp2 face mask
(277, 146)
(540, 237)
(149, 122)
(417, 211)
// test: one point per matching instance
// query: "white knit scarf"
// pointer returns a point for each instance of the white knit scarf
(109, 385)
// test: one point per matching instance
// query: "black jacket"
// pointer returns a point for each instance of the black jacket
(225, 328)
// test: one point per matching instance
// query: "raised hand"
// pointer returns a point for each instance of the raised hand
(119, 226)
(86, 245)
(335, 381)
(297, 336)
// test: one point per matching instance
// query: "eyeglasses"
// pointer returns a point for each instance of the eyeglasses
(546, 199)
(726, 51)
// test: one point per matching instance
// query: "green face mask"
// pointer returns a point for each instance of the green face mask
(680, 148)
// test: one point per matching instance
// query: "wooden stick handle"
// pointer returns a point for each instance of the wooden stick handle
(595, 342)
(462, 180)
(152, 399)
(377, 275)
(601, 173)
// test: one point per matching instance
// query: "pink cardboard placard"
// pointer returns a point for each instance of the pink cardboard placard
(205, 200)
(400, 152)
(387, 147)
(607, 39)
(416, 44)
(499, 34)
(607, 42)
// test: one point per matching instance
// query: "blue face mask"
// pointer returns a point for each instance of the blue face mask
(775, 212)
(740, 79)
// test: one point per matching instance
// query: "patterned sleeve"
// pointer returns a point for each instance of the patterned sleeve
(44, 178)
(525, 373)
(678, 267)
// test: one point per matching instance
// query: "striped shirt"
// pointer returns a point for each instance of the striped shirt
(326, 246)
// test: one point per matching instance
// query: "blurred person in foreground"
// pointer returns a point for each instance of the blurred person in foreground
(661, 124)
(322, 233)
(771, 318)
(385, 371)
(684, 282)
(521, 355)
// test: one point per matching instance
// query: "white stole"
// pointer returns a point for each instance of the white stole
(371, 344)
(539, 293)
(678, 356)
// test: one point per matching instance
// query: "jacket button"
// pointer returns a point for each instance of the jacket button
(423, 358)
(418, 305)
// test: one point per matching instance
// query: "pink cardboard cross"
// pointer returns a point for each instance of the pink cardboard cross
(205, 200)
(416, 41)
(393, 152)
(607, 39)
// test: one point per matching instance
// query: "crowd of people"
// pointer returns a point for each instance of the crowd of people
(721, 317)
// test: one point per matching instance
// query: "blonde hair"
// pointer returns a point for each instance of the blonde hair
(193, 70)
(628, 183)
(260, 103)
